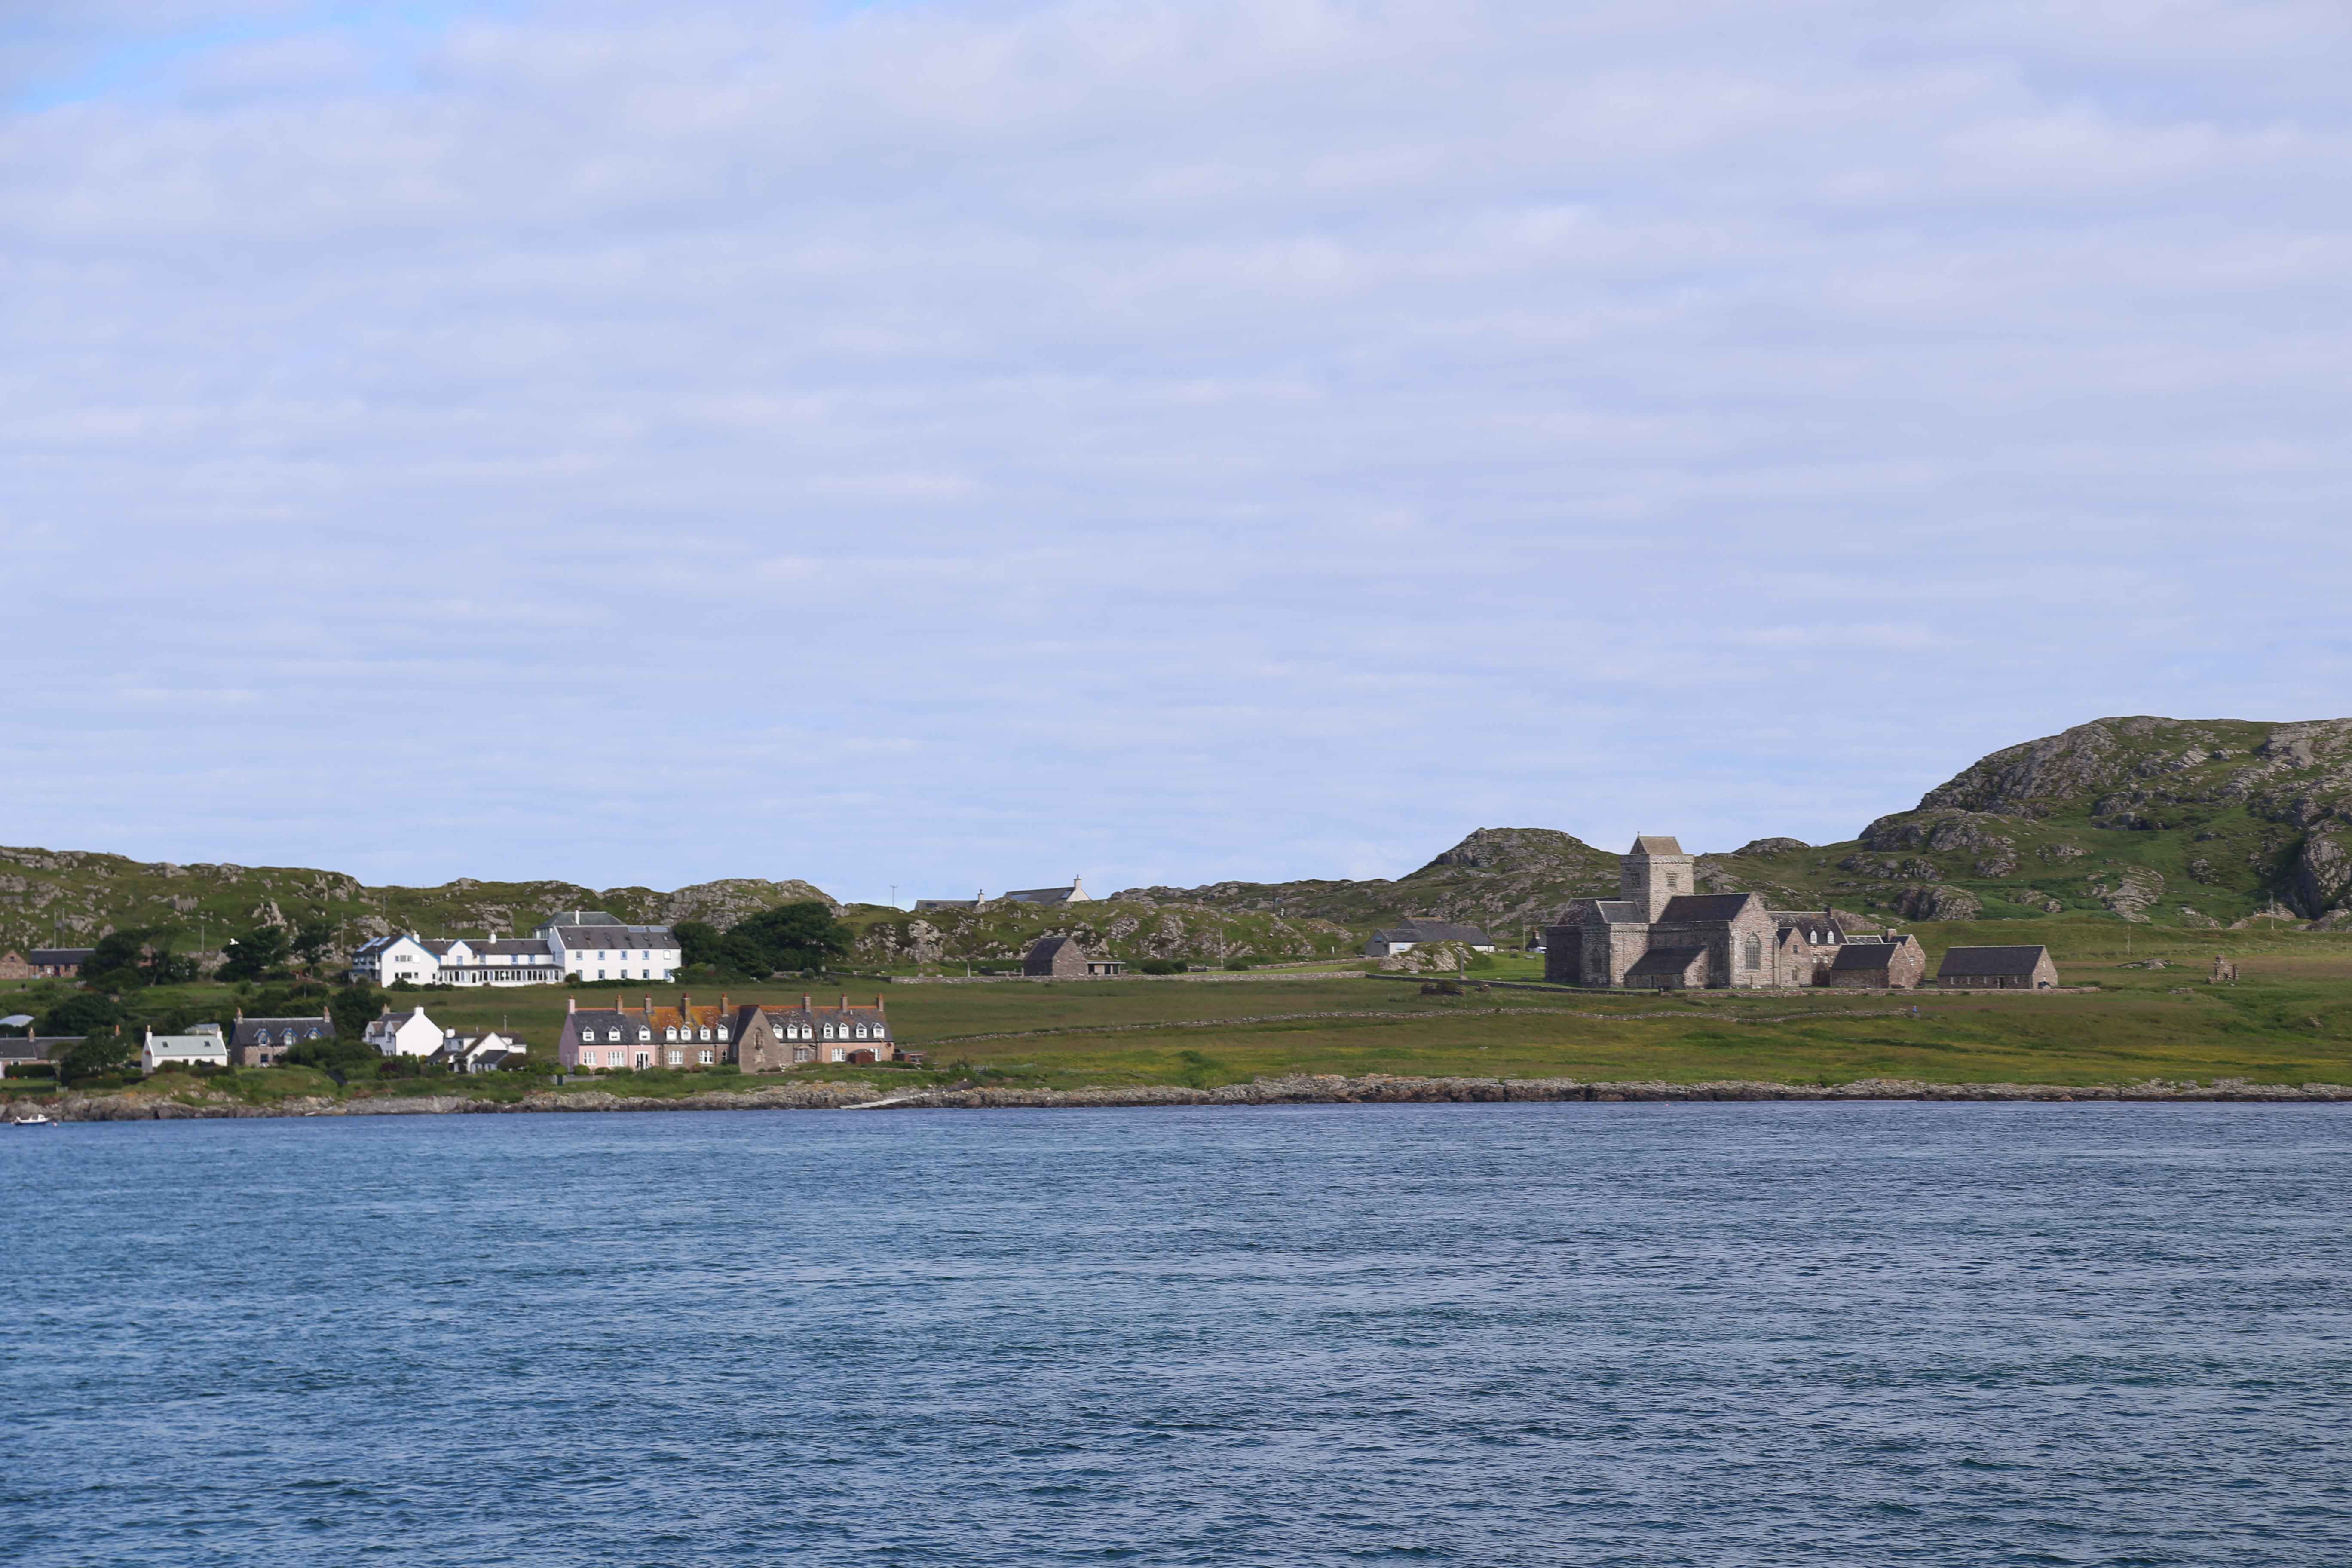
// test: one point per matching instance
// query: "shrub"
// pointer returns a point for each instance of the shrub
(1480, 961)
(1441, 988)
(1237, 964)
(1158, 966)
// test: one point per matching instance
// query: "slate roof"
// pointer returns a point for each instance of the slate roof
(1650, 845)
(1866, 955)
(1421, 929)
(522, 947)
(582, 918)
(1962, 961)
(33, 1048)
(1704, 906)
(1667, 961)
(249, 1030)
(73, 955)
(1814, 921)
(1048, 946)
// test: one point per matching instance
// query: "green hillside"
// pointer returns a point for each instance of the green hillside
(2195, 824)
(71, 898)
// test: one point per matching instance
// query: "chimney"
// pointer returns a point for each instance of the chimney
(805, 1002)
(572, 1004)
(722, 1004)
(877, 1001)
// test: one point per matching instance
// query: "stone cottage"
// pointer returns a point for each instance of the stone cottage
(1997, 969)
(773, 1036)
(1877, 963)
(1061, 957)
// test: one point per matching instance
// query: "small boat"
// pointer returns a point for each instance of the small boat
(38, 1118)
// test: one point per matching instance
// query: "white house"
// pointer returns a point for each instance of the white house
(203, 1046)
(406, 956)
(394, 1036)
(477, 1053)
(1419, 929)
(459, 961)
(594, 945)
(500, 960)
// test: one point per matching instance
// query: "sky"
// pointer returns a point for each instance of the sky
(922, 447)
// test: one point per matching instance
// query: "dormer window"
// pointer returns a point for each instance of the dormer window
(645, 1033)
(723, 1031)
(670, 1033)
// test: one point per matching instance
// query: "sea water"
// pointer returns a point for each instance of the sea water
(1546, 1334)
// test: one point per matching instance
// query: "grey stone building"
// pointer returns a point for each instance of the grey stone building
(1997, 969)
(1661, 934)
(1061, 957)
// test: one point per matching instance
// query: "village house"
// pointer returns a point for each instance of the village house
(1873, 963)
(1661, 934)
(475, 1053)
(772, 1037)
(200, 1047)
(593, 945)
(460, 961)
(264, 1042)
(1076, 893)
(29, 1051)
(642, 1038)
(1997, 969)
(1419, 929)
(410, 1034)
(1061, 957)
(56, 963)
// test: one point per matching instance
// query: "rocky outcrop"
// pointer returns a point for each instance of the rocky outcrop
(2322, 876)
(1771, 846)
(1938, 903)
(1429, 958)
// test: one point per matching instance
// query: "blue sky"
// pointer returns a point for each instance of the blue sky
(961, 445)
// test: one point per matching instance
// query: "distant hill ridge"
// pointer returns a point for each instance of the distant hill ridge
(70, 898)
(2185, 822)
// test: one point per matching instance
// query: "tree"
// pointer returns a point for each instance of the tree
(88, 1013)
(354, 1010)
(334, 1054)
(102, 1051)
(253, 955)
(117, 962)
(313, 939)
(795, 936)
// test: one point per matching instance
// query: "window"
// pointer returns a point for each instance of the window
(1755, 952)
(645, 1033)
(678, 1058)
(705, 1034)
(670, 1033)
(880, 1032)
(723, 1031)
(839, 1055)
(1674, 880)
(705, 1059)
(644, 1060)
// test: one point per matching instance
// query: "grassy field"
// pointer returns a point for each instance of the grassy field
(2288, 1019)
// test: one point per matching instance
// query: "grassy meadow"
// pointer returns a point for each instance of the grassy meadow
(2288, 1019)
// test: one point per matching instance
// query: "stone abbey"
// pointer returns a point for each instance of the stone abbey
(1662, 934)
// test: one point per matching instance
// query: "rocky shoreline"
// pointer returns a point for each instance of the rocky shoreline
(1301, 1089)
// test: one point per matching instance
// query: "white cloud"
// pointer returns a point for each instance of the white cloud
(1179, 440)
